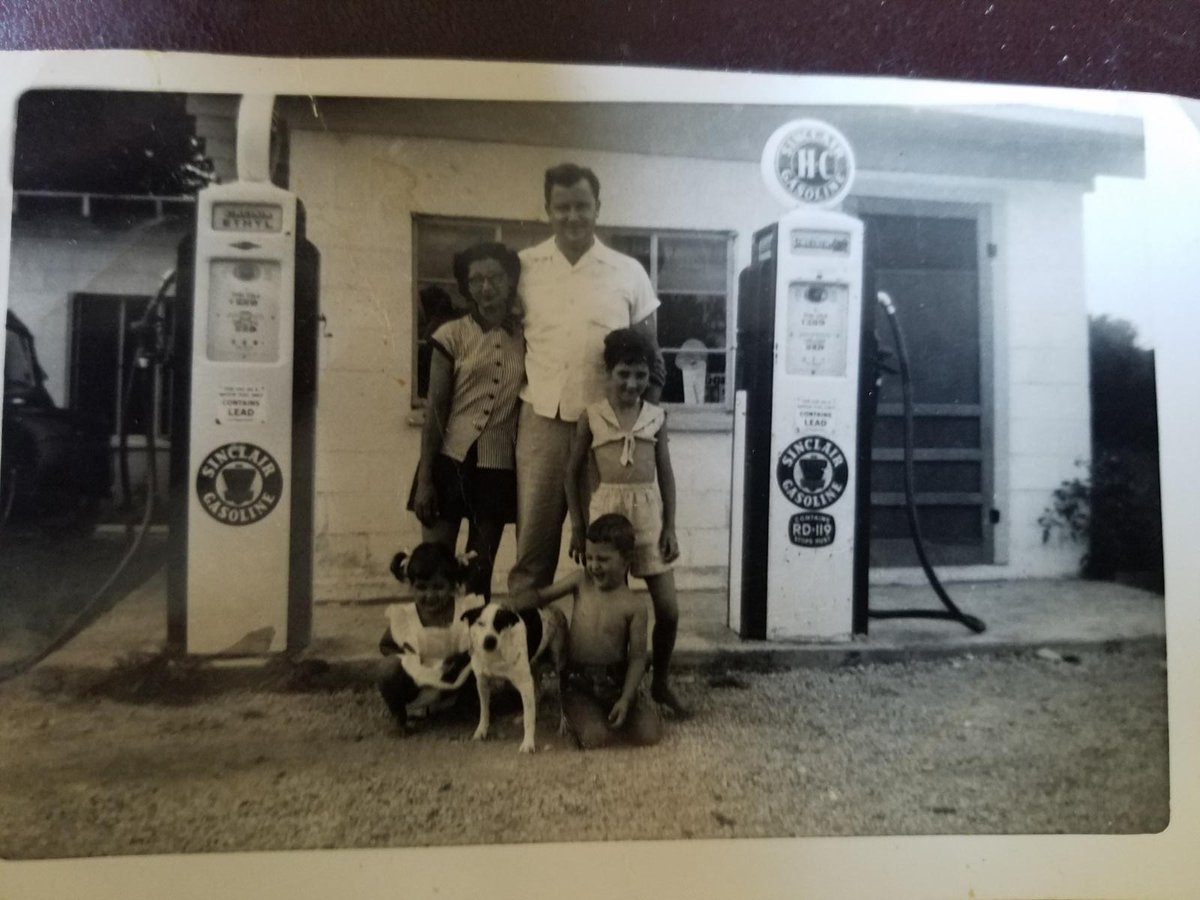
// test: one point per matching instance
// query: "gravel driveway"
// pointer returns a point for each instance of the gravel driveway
(996, 745)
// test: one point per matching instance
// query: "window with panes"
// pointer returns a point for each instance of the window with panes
(691, 272)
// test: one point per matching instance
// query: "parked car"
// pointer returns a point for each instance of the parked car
(56, 465)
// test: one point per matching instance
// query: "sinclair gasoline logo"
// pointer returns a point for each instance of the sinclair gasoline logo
(812, 472)
(238, 484)
(808, 162)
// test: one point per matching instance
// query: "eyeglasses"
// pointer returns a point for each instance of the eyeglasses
(477, 281)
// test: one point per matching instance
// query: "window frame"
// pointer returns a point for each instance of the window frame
(723, 407)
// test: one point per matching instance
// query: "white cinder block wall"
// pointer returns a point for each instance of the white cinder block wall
(1049, 407)
(361, 191)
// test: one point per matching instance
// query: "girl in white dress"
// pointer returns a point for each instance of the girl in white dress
(426, 647)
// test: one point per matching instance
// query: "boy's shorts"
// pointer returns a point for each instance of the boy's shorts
(641, 504)
(588, 695)
(602, 683)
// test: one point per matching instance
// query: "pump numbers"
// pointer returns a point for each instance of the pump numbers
(244, 298)
(812, 529)
(817, 328)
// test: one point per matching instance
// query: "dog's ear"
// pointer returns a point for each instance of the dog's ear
(397, 566)
(505, 618)
(471, 615)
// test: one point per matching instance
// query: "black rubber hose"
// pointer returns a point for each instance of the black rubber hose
(154, 319)
(952, 611)
(7, 502)
(130, 372)
(140, 329)
(81, 618)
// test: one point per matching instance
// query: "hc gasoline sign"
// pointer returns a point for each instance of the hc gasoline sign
(812, 529)
(809, 163)
(812, 472)
(239, 484)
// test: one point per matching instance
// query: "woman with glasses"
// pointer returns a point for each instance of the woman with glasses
(468, 444)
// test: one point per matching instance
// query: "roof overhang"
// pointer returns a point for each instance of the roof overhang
(1005, 142)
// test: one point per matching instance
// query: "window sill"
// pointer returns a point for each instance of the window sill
(714, 419)
(137, 442)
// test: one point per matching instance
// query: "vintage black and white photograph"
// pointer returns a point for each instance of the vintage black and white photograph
(394, 472)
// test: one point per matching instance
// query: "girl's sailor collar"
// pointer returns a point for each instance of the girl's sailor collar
(606, 427)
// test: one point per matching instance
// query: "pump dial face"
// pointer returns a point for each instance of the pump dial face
(243, 310)
(816, 328)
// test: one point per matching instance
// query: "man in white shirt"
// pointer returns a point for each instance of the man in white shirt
(575, 291)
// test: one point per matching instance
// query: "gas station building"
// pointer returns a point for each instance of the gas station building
(974, 217)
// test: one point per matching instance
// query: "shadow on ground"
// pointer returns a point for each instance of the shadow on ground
(46, 584)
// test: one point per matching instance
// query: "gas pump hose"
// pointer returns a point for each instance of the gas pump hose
(84, 615)
(951, 611)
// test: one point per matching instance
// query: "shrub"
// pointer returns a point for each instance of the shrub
(1115, 508)
(1116, 511)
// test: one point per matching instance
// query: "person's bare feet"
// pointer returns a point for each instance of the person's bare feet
(664, 696)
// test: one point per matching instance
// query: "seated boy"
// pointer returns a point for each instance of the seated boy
(606, 649)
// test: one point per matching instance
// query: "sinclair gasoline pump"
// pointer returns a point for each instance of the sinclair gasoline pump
(240, 576)
(806, 368)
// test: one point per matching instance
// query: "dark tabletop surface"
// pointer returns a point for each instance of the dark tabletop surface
(1143, 46)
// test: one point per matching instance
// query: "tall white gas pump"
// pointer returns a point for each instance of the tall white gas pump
(799, 559)
(240, 579)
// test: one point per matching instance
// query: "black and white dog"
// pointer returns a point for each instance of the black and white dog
(505, 645)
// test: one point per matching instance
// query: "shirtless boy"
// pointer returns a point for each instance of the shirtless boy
(606, 649)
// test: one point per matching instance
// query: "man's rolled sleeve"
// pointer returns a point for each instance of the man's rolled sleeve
(644, 301)
(645, 304)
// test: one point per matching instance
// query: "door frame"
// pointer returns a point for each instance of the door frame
(991, 510)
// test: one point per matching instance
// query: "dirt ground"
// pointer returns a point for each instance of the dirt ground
(45, 584)
(968, 746)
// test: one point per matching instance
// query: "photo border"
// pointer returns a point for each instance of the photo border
(1159, 865)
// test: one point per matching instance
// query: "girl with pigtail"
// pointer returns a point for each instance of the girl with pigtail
(426, 647)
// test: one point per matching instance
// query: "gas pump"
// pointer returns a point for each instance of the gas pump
(240, 569)
(805, 380)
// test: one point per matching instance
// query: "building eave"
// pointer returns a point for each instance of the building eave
(1005, 142)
